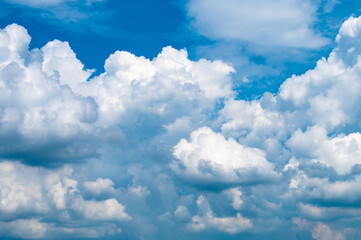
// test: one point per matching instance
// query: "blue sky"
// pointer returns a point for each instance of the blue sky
(180, 119)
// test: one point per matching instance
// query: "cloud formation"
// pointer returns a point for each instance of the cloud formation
(145, 149)
(52, 199)
(209, 157)
(47, 102)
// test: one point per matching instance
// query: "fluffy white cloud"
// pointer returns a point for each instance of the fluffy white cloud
(329, 94)
(206, 219)
(18, 194)
(45, 193)
(49, 102)
(100, 186)
(280, 22)
(209, 157)
(254, 125)
(36, 111)
(341, 152)
(107, 210)
(169, 86)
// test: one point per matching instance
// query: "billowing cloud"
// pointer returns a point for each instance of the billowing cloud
(51, 197)
(36, 111)
(47, 102)
(100, 186)
(342, 152)
(209, 157)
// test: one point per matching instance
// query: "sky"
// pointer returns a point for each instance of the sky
(180, 119)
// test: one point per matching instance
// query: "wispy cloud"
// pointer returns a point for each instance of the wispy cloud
(283, 23)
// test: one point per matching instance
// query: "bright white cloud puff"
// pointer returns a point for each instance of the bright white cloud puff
(209, 157)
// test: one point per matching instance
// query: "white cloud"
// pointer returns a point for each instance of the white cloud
(19, 195)
(60, 62)
(280, 22)
(341, 152)
(323, 191)
(100, 186)
(206, 220)
(328, 95)
(249, 120)
(167, 86)
(235, 194)
(107, 210)
(49, 102)
(52, 198)
(36, 111)
(209, 157)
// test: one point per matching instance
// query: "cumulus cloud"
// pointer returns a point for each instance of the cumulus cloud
(36, 111)
(107, 210)
(100, 186)
(209, 157)
(206, 219)
(49, 102)
(284, 23)
(341, 152)
(43, 193)
(165, 86)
